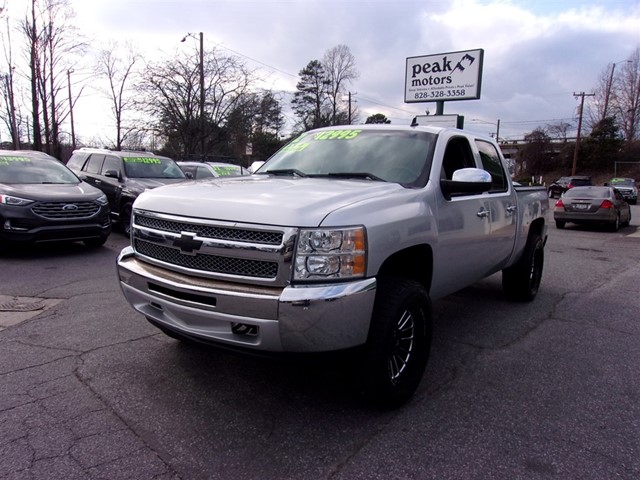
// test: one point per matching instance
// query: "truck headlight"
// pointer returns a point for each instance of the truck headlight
(336, 253)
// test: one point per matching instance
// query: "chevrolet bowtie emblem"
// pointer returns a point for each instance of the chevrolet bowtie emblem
(187, 243)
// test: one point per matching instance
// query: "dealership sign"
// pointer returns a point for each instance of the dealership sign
(446, 76)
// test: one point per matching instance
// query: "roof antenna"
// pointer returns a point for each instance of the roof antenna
(414, 122)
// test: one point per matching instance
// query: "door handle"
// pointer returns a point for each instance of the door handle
(483, 213)
(511, 208)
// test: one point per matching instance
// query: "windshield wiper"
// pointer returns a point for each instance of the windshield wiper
(365, 175)
(287, 171)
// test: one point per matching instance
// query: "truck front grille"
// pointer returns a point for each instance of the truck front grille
(208, 263)
(209, 231)
(246, 253)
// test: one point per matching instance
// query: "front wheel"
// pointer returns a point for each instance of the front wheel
(521, 281)
(399, 341)
(125, 218)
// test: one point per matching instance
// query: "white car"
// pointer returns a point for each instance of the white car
(200, 170)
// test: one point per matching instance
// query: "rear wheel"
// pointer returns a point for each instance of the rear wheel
(614, 226)
(399, 341)
(560, 224)
(522, 281)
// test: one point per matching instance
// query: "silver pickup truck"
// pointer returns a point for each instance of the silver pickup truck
(341, 239)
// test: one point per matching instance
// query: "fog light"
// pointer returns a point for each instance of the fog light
(244, 329)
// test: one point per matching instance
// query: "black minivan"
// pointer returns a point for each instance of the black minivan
(41, 200)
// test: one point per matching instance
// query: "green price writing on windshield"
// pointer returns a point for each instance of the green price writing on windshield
(337, 135)
(6, 160)
(141, 160)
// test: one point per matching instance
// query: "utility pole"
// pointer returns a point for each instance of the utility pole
(607, 94)
(575, 151)
(350, 107)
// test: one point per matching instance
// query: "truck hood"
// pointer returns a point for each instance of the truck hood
(262, 199)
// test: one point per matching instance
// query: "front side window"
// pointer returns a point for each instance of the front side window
(111, 163)
(491, 163)
(94, 165)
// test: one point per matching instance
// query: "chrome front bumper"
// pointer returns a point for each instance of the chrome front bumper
(310, 318)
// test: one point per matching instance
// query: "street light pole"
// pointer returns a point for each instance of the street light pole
(202, 122)
(201, 68)
(73, 133)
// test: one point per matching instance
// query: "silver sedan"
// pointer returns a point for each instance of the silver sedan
(592, 205)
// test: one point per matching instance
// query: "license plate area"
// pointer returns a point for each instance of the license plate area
(581, 206)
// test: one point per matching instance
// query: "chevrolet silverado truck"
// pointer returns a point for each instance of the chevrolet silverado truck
(340, 241)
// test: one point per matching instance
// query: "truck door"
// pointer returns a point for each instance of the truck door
(502, 205)
(464, 227)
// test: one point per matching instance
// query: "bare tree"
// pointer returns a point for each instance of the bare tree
(340, 69)
(7, 90)
(626, 101)
(170, 94)
(118, 71)
(54, 44)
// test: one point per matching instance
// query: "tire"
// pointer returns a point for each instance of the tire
(125, 218)
(628, 220)
(615, 225)
(560, 224)
(521, 281)
(96, 242)
(398, 344)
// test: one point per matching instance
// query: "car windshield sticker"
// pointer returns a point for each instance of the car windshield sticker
(298, 144)
(337, 135)
(222, 171)
(8, 159)
(141, 160)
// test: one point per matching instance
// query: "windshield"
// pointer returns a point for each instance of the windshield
(590, 192)
(382, 154)
(19, 169)
(151, 167)
(623, 181)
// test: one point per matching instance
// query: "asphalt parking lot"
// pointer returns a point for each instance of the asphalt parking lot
(549, 389)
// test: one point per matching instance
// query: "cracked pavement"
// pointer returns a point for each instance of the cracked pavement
(550, 389)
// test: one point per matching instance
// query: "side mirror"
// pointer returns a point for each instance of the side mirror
(466, 181)
(189, 175)
(112, 174)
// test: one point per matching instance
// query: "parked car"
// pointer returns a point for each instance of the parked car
(42, 200)
(123, 175)
(562, 184)
(253, 168)
(627, 187)
(592, 205)
(200, 170)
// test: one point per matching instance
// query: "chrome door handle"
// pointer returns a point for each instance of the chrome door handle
(483, 213)
(511, 208)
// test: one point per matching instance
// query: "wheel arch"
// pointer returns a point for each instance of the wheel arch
(414, 263)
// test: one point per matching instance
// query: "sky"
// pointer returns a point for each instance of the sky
(537, 53)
